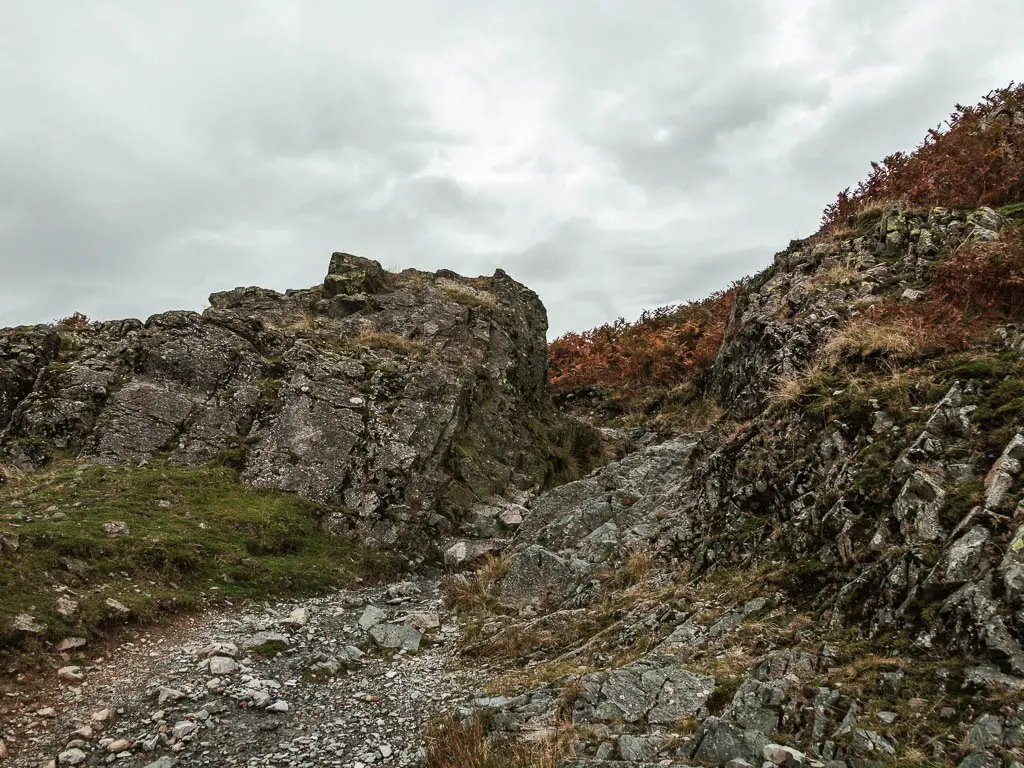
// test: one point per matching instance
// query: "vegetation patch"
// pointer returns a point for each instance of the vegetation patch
(188, 534)
(969, 162)
(665, 348)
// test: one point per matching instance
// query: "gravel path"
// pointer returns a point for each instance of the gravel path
(349, 687)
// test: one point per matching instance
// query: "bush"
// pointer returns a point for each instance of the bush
(976, 160)
(985, 278)
(661, 348)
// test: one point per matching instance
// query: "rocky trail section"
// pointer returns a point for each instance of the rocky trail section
(346, 680)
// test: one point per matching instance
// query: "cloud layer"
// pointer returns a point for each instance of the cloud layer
(612, 155)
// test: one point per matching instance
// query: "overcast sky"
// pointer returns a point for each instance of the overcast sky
(611, 155)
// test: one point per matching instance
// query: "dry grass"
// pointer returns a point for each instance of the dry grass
(393, 342)
(866, 340)
(9, 473)
(633, 572)
(477, 594)
(455, 744)
(790, 388)
(302, 321)
(833, 277)
(467, 294)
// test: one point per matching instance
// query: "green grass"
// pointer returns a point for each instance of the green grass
(195, 534)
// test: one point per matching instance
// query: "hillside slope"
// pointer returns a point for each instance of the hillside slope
(832, 572)
(378, 408)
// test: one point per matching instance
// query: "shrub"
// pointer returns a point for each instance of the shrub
(74, 322)
(974, 160)
(985, 278)
(661, 348)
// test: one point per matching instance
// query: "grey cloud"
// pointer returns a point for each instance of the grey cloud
(612, 155)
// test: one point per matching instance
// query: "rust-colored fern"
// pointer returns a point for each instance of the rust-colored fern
(660, 348)
(976, 159)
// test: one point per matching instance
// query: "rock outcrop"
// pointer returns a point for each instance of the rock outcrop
(870, 499)
(395, 400)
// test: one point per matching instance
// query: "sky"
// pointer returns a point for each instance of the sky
(613, 156)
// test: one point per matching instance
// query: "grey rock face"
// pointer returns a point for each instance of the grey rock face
(396, 399)
(537, 576)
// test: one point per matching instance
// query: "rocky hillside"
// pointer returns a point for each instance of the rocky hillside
(809, 551)
(832, 572)
(390, 398)
(377, 408)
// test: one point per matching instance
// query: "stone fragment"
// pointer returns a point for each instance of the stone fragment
(464, 554)
(71, 674)
(400, 636)
(372, 616)
(66, 606)
(115, 528)
(71, 757)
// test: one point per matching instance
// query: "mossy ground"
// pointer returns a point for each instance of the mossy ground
(194, 534)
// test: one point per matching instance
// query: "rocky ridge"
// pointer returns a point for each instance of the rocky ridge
(830, 576)
(397, 400)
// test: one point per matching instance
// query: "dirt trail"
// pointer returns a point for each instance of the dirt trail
(305, 683)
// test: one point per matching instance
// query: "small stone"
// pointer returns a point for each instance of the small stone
(163, 762)
(184, 728)
(27, 624)
(117, 606)
(223, 665)
(297, 618)
(85, 732)
(70, 674)
(46, 712)
(71, 757)
(165, 694)
(371, 617)
(278, 706)
(912, 294)
(66, 607)
(115, 528)
(119, 745)
(887, 718)
(385, 751)
(70, 644)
